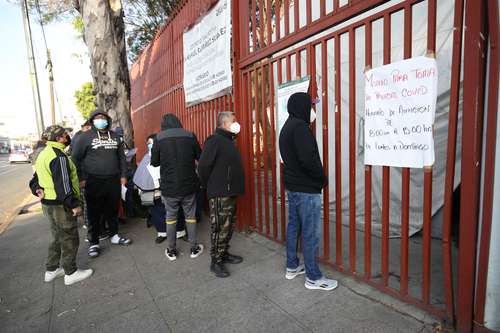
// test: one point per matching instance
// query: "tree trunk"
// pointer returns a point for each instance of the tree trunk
(104, 36)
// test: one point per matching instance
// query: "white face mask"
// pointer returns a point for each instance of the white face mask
(313, 116)
(235, 128)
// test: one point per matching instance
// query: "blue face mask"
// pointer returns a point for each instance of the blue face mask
(100, 123)
(150, 146)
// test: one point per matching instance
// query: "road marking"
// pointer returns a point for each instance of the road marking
(8, 171)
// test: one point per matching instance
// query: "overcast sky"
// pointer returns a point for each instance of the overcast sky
(17, 108)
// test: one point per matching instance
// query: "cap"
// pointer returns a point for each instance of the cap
(52, 132)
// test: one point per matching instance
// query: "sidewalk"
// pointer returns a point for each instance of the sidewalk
(136, 289)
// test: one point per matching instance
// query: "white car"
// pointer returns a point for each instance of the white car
(19, 156)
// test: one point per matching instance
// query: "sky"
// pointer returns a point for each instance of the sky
(17, 113)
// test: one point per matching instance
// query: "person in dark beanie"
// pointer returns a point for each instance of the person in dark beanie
(102, 169)
(221, 173)
(304, 180)
(175, 151)
(55, 182)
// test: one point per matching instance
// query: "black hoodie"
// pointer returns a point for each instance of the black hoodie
(99, 154)
(303, 171)
(175, 151)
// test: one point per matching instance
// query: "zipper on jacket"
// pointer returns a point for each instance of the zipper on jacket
(229, 178)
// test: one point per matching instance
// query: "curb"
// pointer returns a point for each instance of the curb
(10, 218)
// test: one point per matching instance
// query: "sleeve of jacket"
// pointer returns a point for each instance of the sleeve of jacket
(61, 177)
(155, 154)
(34, 185)
(207, 161)
(197, 148)
(123, 160)
(78, 152)
(307, 152)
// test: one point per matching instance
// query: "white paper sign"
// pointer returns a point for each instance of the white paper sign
(283, 94)
(207, 55)
(399, 113)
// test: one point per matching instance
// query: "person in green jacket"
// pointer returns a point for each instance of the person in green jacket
(56, 183)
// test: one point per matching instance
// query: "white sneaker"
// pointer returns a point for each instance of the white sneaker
(197, 251)
(180, 234)
(77, 276)
(292, 273)
(321, 284)
(51, 276)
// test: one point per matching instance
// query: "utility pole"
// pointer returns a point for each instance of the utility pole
(37, 101)
(51, 88)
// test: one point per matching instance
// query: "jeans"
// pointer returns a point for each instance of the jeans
(304, 215)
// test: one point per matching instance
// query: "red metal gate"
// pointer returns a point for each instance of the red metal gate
(275, 41)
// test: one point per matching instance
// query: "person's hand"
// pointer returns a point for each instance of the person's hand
(123, 181)
(77, 211)
(83, 183)
(40, 193)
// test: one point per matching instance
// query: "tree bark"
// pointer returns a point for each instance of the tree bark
(105, 38)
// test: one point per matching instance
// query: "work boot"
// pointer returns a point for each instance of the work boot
(219, 270)
(231, 259)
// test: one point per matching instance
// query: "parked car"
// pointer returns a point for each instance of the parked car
(19, 156)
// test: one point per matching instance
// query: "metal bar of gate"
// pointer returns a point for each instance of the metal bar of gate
(405, 190)
(338, 156)
(326, 191)
(352, 151)
(282, 185)
(265, 148)
(386, 171)
(273, 151)
(368, 169)
(259, 151)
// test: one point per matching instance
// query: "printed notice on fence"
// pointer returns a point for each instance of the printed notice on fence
(207, 55)
(283, 93)
(399, 115)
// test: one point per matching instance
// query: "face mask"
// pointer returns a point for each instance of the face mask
(100, 123)
(68, 141)
(313, 116)
(235, 128)
(150, 146)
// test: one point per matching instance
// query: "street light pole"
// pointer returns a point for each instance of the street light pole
(33, 74)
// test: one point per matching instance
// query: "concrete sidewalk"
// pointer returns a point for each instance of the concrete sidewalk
(136, 289)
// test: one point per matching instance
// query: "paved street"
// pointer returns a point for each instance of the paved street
(14, 190)
(136, 289)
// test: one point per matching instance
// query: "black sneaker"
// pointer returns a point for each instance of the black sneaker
(231, 259)
(171, 254)
(196, 251)
(219, 270)
(160, 239)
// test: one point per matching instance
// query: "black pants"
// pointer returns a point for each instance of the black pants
(103, 197)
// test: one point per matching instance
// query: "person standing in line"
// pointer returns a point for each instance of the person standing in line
(102, 169)
(176, 151)
(304, 180)
(222, 174)
(144, 179)
(55, 182)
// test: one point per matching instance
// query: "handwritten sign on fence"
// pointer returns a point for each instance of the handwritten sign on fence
(400, 102)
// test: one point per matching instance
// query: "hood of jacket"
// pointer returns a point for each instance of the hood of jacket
(299, 106)
(98, 112)
(170, 121)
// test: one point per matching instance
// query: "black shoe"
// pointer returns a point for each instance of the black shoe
(231, 259)
(219, 270)
(160, 239)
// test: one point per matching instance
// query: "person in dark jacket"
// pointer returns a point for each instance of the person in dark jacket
(55, 182)
(175, 151)
(304, 180)
(102, 169)
(221, 173)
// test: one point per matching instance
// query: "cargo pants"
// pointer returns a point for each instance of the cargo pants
(222, 219)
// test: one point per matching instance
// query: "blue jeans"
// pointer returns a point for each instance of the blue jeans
(304, 216)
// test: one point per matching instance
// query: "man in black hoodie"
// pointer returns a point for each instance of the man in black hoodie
(175, 151)
(221, 173)
(102, 169)
(304, 179)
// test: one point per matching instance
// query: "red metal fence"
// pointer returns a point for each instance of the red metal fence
(274, 42)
